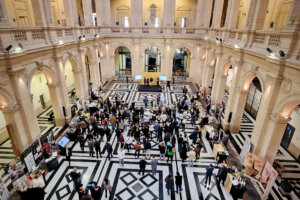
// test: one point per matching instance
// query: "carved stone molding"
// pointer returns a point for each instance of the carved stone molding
(286, 86)
(4, 78)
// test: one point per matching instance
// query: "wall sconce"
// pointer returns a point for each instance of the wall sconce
(237, 46)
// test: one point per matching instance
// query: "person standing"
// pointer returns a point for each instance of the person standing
(209, 172)
(170, 153)
(154, 163)
(121, 156)
(157, 81)
(113, 122)
(162, 151)
(178, 182)
(146, 101)
(91, 147)
(169, 183)
(68, 155)
(97, 148)
(109, 150)
(143, 164)
(183, 153)
(147, 147)
(107, 186)
(192, 156)
(137, 148)
(222, 175)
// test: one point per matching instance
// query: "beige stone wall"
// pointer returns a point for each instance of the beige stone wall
(243, 13)
(278, 11)
(69, 76)
(20, 13)
(159, 11)
(120, 9)
(185, 9)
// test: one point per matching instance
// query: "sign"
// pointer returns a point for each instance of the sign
(28, 159)
(245, 149)
(269, 176)
(36, 152)
(4, 193)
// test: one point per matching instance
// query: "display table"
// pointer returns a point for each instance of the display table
(208, 129)
(217, 149)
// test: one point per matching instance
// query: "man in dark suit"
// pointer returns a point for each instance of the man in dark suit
(143, 164)
(222, 175)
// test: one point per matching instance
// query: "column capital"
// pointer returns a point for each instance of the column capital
(11, 110)
(57, 58)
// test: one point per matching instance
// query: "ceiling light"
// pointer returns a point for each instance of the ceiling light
(8, 48)
(281, 53)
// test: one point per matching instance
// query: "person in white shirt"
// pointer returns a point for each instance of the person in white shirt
(121, 156)
(37, 182)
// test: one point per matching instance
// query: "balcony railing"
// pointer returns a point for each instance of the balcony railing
(36, 37)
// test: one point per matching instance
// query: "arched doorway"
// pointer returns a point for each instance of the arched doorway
(152, 59)
(41, 98)
(71, 70)
(123, 61)
(181, 62)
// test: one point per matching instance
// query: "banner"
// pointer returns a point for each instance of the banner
(36, 152)
(269, 176)
(4, 193)
(28, 159)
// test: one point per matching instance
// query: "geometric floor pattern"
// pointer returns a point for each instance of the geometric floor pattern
(126, 182)
(291, 166)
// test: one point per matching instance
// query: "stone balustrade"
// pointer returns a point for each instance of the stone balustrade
(257, 41)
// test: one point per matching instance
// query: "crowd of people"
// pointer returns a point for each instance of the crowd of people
(135, 126)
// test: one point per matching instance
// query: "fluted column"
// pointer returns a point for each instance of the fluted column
(232, 14)
(42, 13)
(87, 12)
(218, 78)
(203, 13)
(293, 21)
(103, 13)
(136, 14)
(256, 14)
(4, 21)
(217, 13)
(70, 13)
(169, 14)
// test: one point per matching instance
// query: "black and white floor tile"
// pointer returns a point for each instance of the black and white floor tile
(291, 167)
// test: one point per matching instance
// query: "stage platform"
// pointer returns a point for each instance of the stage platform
(149, 88)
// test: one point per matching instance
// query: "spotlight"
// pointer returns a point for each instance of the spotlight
(281, 53)
(269, 50)
(220, 39)
(8, 48)
(205, 37)
(217, 38)
(79, 37)
(83, 36)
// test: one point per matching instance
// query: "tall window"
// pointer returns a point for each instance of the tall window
(126, 22)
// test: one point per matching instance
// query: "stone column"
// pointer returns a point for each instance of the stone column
(136, 14)
(135, 57)
(203, 13)
(103, 13)
(237, 67)
(232, 14)
(209, 71)
(256, 14)
(219, 82)
(194, 72)
(61, 92)
(216, 22)
(272, 136)
(27, 121)
(269, 97)
(84, 82)
(94, 66)
(17, 129)
(87, 12)
(70, 13)
(108, 73)
(293, 21)
(4, 21)
(238, 109)
(42, 13)
(169, 14)
(57, 104)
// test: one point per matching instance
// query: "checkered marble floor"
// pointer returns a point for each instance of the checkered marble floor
(291, 170)
(126, 183)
